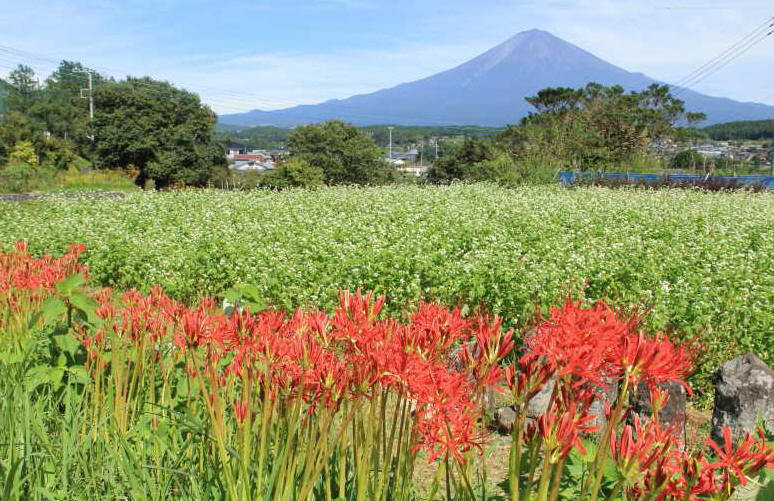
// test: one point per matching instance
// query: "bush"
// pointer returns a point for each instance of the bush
(23, 152)
(294, 172)
(344, 154)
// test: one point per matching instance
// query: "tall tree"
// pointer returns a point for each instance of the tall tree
(164, 132)
(345, 154)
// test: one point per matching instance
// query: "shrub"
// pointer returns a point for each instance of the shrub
(23, 152)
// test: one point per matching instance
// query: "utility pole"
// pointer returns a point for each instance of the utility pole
(436, 148)
(90, 97)
(390, 128)
(771, 156)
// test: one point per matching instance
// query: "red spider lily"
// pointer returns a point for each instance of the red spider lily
(562, 431)
(654, 360)
(639, 447)
(240, 410)
(526, 377)
(434, 329)
(577, 340)
(691, 476)
(490, 346)
(747, 459)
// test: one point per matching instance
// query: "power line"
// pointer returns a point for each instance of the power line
(760, 29)
(752, 39)
(241, 99)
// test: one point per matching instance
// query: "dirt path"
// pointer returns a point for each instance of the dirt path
(27, 197)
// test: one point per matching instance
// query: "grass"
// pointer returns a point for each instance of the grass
(42, 180)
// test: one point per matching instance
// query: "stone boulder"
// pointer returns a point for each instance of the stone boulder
(744, 397)
(673, 414)
(608, 394)
(505, 417)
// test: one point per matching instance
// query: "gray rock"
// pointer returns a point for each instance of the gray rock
(608, 394)
(538, 405)
(457, 364)
(504, 418)
(744, 396)
(673, 412)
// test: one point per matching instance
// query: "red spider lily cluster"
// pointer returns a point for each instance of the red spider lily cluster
(21, 272)
(350, 397)
(650, 461)
(324, 360)
(586, 351)
(25, 281)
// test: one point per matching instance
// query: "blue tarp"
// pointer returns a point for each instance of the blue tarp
(568, 177)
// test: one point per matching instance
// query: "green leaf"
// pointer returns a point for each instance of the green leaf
(52, 310)
(35, 376)
(11, 358)
(87, 305)
(79, 374)
(69, 285)
(55, 375)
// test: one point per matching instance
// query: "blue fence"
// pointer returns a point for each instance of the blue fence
(569, 177)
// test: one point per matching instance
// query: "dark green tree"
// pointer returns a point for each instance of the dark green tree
(593, 127)
(687, 160)
(458, 166)
(64, 110)
(163, 132)
(294, 172)
(344, 153)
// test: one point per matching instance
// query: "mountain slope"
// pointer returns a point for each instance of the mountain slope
(490, 90)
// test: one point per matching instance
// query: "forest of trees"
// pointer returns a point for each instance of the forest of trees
(146, 127)
(270, 137)
(749, 130)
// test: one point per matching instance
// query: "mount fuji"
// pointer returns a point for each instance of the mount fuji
(489, 90)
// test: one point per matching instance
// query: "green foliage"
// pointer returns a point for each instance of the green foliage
(262, 137)
(295, 172)
(459, 165)
(344, 153)
(750, 130)
(19, 177)
(687, 160)
(409, 135)
(164, 132)
(594, 127)
(701, 261)
(23, 152)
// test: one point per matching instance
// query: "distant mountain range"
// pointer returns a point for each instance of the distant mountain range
(490, 90)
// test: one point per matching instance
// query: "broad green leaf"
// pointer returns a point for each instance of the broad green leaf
(52, 310)
(86, 305)
(67, 286)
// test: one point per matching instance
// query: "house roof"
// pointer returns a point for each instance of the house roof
(250, 157)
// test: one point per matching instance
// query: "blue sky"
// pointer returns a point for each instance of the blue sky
(241, 54)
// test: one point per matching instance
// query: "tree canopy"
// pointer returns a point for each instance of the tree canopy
(164, 132)
(344, 153)
(594, 127)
